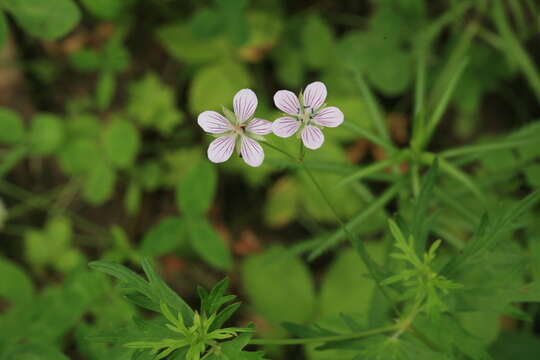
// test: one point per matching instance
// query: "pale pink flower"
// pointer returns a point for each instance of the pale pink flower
(239, 130)
(307, 114)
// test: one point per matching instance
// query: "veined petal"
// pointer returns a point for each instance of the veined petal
(287, 102)
(221, 149)
(285, 126)
(244, 103)
(329, 116)
(312, 137)
(315, 95)
(213, 122)
(259, 126)
(251, 151)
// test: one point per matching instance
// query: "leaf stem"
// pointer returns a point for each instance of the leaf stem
(323, 339)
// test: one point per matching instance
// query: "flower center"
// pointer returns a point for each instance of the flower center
(239, 129)
(307, 114)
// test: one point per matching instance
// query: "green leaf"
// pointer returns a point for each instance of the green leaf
(163, 293)
(279, 286)
(488, 235)
(376, 59)
(34, 351)
(132, 198)
(516, 345)
(451, 338)
(532, 175)
(214, 86)
(85, 60)
(349, 275)
(121, 143)
(12, 158)
(15, 286)
(115, 56)
(125, 275)
(208, 243)
(4, 31)
(52, 246)
(153, 104)
(179, 42)
(106, 9)
(290, 68)
(206, 23)
(168, 235)
(11, 127)
(99, 185)
(282, 204)
(195, 192)
(79, 155)
(106, 86)
(46, 134)
(47, 19)
(485, 325)
(317, 42)
(235, 22)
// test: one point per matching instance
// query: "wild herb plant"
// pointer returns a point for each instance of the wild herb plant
(423, 294)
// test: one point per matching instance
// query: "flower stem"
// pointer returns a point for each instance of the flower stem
(266, 143)
(322, 339)
(358, 245)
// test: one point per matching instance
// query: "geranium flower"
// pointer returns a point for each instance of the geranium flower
(239, 130)
(307, 114)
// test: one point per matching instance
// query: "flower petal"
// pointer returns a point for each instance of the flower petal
(259, 126)
(213, 122)
(287, 102)
(315, 95)
(285, 126)
(245, 103)
(329, 116)
(312, 137)
(221, 149)
(251, 151)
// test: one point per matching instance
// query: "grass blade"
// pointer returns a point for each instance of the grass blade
(374, 108)
(463, 178)
(482, 148)
(374, 168)
(441, 106)
(370, 136)
(515, 49)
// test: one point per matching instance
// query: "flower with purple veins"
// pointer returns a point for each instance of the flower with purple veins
(238, 130)
(307, 114)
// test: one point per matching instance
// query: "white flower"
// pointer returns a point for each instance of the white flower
(307, 114)
(239, 133)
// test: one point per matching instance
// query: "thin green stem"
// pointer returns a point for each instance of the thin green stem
(323, 339)
(266, 143)
(415, 179)
(358, 245)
